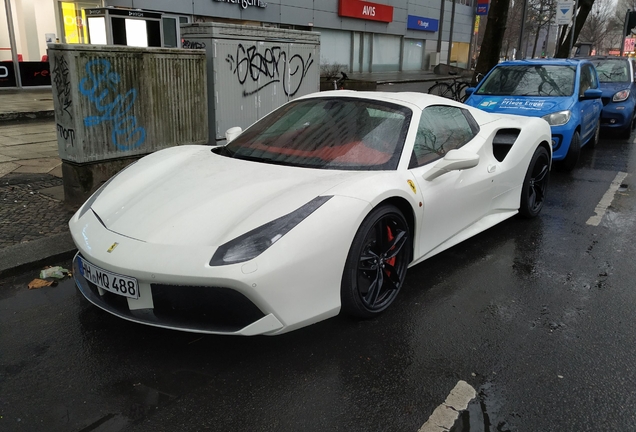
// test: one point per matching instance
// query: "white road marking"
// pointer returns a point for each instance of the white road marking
(607, 199)
(445, 415)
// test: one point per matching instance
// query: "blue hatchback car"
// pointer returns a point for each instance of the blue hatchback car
(564, 92)
(616, 75)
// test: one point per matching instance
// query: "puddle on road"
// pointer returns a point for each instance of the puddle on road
(480, 416)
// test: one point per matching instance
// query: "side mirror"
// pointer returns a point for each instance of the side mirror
(591, 94)
(454, 160)
(469, 91)
(232, 133)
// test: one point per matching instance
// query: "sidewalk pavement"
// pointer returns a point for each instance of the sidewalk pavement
(33, 215)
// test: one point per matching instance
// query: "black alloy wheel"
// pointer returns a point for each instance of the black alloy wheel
(377, 262)
(535, 184)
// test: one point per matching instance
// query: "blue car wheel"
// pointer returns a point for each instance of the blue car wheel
(572, 157)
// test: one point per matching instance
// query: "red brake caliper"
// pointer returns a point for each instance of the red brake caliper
(391, 261)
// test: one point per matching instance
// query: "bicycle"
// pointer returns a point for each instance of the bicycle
(456, 90)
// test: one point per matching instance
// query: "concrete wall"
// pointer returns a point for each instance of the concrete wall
(320, 13)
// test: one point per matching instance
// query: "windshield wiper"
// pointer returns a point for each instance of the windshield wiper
(268, 160)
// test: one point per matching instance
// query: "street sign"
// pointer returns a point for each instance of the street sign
(564, 12)
(629, 45)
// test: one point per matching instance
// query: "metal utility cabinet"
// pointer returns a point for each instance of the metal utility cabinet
(116, 103)
(253, 70)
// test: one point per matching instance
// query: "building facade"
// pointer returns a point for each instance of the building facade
(362, 36)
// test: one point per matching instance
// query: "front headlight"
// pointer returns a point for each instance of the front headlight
(255, 242)
(558, 118)
(621, 96)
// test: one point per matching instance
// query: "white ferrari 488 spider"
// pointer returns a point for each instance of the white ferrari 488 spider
(317, 208)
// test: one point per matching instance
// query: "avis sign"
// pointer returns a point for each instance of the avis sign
(365, 10)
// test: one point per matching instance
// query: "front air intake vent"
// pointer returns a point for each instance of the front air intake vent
(503, 141)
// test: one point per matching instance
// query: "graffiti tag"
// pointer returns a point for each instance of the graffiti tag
(272, 64)
(100, 86)
(192, 44)
(66, 134)
(63, 85)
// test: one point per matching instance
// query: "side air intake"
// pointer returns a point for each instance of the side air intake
(503, 142)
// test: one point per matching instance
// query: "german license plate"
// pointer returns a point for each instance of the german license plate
(109, 281)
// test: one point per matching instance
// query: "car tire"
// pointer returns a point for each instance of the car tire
(377, 262)
(597, 134)
(535, 184)
(572, 157)
(626, 132)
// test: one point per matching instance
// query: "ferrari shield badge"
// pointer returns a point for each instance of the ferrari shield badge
(413, 188)
(112, 248)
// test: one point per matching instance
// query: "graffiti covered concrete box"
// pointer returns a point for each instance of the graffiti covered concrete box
(253, 70)
(114, 102)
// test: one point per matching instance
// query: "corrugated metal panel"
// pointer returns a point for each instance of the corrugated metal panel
(254, 70)
(128, 101)
(235, 103)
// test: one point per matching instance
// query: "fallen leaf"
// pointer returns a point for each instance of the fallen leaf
(40, 283)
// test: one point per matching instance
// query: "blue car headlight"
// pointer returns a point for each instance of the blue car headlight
(255, 242)
(558, 118)
(620, 96)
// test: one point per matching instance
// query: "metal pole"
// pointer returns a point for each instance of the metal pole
(576, 6)
(14, 50)
(441, 27)
(624, 32)
(450, 34)
(520, 54)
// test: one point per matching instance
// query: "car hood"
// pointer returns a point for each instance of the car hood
(610, 88)
(190, 196)
(534, 106)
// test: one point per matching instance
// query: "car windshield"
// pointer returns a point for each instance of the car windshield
(524, 80)
(327, 133)
(612, 70)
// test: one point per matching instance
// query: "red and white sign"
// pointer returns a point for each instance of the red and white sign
(365, 10)
(629, 45)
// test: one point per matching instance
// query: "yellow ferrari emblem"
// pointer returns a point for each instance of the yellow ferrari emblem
(112, 248)
(413, 188)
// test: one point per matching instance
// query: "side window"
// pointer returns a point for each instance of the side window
(589, 79)
(441, 129)
(593, 77)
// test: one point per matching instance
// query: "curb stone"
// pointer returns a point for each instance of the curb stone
(35, 253)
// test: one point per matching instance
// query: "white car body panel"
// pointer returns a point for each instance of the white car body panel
(169, 212)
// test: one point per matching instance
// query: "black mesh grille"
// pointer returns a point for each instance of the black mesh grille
(195, 306)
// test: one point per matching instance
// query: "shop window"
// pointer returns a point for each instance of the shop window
(73, 21)
(172, 30)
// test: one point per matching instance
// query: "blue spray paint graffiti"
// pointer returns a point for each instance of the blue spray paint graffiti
(97, 86)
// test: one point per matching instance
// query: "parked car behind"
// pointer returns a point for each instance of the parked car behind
(616, 76)
(564, 92)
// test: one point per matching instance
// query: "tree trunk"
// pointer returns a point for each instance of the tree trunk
(564, 46)
(536, 41)
(493, 38)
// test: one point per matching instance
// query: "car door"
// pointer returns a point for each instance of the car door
(589, 110)
(457, 199)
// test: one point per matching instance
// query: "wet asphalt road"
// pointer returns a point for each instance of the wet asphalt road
(538, 316)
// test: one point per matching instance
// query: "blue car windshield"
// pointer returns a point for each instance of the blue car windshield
(612, 70)
(524, 80)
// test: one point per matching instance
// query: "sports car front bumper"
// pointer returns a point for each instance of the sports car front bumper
(294, 283)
